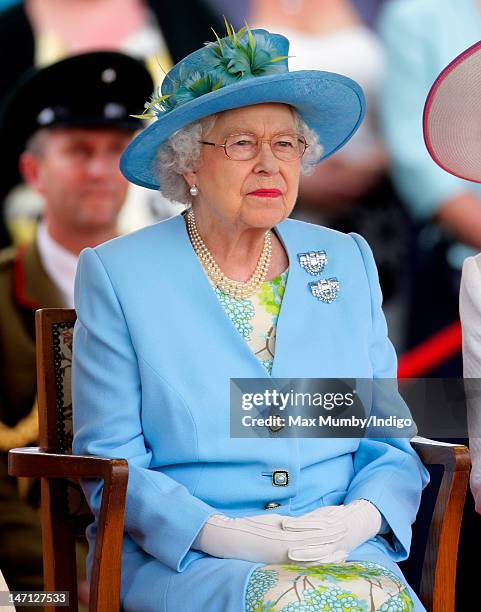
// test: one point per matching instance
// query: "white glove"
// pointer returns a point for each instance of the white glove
(353, 525)
(262, 539)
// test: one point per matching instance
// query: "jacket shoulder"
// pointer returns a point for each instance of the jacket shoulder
(303, 230)
(159, 235)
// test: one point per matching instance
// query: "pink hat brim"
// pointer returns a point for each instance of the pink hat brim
(452, 116)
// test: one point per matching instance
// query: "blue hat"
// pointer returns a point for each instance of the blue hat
(244, 68)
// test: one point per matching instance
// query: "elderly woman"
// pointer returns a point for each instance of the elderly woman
(232, 289)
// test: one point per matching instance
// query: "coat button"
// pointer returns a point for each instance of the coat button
(271, 506)
(280, 478)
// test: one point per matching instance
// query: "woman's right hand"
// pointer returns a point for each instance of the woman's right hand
(262, 539)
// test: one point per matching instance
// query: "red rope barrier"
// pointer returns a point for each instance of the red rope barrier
(432, 352)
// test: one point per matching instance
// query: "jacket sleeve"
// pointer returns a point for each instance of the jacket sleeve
(162, 517)
(470, 310)
(387, 471)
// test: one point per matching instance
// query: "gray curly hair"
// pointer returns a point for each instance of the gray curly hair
(181, 153)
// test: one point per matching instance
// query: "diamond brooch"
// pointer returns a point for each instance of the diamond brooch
(313, 262)
(325, 290)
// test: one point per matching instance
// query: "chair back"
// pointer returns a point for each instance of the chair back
(65, 513)
(54, 335)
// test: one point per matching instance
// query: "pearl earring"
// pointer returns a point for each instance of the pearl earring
(194, 191)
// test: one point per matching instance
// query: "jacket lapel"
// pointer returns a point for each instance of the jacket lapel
(308, 339)
(215, 329)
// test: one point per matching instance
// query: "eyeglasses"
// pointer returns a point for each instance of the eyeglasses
(242, 147)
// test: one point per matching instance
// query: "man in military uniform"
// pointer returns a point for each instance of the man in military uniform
(69, 123)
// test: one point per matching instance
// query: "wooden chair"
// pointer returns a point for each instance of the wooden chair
(437, 547)
(58, 470)
(55, 465)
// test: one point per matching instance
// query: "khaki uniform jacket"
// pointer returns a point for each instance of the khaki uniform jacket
(24, 287)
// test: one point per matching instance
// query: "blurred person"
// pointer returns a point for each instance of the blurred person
(368, 10)
(44, 31)
(350, 191)
(69, 123)
(421, 37)
(236, 11)
(329, 35)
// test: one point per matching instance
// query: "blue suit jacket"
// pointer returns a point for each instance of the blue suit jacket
(154, 353)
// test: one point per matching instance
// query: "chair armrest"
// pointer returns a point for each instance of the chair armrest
(106, 569)
(454, 457)
(33, 463)
(437, 591)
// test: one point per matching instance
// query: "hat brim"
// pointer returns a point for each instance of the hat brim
(331, 104)
(452, 116)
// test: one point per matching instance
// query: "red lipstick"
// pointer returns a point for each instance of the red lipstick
(266, 193)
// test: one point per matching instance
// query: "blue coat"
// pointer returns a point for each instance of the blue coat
(154, 352)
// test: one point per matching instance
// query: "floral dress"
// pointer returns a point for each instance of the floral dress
(359, 586)
(256, 317)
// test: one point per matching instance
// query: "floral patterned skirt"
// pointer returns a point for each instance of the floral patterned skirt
(359, 586)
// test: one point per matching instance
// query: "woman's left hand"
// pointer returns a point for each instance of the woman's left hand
(358, 522)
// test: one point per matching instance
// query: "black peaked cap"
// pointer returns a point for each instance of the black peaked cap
(100, 89)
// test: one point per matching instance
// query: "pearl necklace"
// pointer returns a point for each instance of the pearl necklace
(234, 289)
